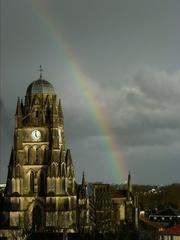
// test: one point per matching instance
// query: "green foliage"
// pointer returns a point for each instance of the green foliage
(151, 197)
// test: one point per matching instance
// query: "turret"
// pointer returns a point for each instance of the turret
(69, 164)
(22, 107)
(18, 114)
(129, 187)
(83, 189)
(83, 205)
(68, 158)
(60, 112)
(18, 108)
(83, 180)
(129, 183)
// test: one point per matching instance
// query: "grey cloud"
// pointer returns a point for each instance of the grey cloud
(158, 163)
(110, 41)
(139, 113)
(159, 85)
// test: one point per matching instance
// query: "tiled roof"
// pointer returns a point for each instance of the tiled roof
(118, 193)
(150, 223)
(175, 230)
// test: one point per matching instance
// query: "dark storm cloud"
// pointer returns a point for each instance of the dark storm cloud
(145, 116)
(144, 111)
(129, 52)
(86, 127)
(155, 162)
(159, 85)
(6, 138)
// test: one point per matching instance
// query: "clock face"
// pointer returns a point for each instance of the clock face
(36, 135)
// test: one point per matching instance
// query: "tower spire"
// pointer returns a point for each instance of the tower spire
(129, 182)
(83, 180)
(18, 108)
(60, 112)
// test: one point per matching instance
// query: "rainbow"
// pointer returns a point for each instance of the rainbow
(115, 158)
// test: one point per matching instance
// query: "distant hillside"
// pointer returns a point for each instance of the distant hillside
(158, 196)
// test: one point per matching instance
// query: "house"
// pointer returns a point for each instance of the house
(168, 216)
(172, 233)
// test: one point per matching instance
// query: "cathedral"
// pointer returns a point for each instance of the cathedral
(41, 193)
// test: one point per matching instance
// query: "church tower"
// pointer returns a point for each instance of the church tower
(83, 223)
(41, 187)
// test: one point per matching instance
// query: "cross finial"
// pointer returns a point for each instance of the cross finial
(40, 70)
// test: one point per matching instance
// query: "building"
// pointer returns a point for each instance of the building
(125, 205)
(168, 216)
(83, 223)
(172, 233)
(111, 208)
(100, 207)
(149, 228)
(41, 193)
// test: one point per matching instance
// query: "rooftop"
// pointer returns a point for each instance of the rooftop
(40, 86)
(175, 230)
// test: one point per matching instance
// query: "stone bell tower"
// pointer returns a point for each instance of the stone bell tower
(41, 187)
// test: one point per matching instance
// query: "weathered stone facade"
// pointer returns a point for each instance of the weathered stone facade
(112, 208)
(41, 192)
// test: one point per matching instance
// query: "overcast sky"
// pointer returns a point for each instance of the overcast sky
(128, 51)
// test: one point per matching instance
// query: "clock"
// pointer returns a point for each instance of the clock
(36, 135)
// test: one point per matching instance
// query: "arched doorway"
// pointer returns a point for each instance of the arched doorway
(37, 218)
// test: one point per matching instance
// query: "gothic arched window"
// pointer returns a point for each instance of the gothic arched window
(18, 171)
(63, 173)
(37, 155)
(45, 159)
(31, 155)
(66, 204)
(45, 155)
(32, 182)
(27, 154)
(42, 183)
(53, 170)
(37, 114)
(64, 185)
